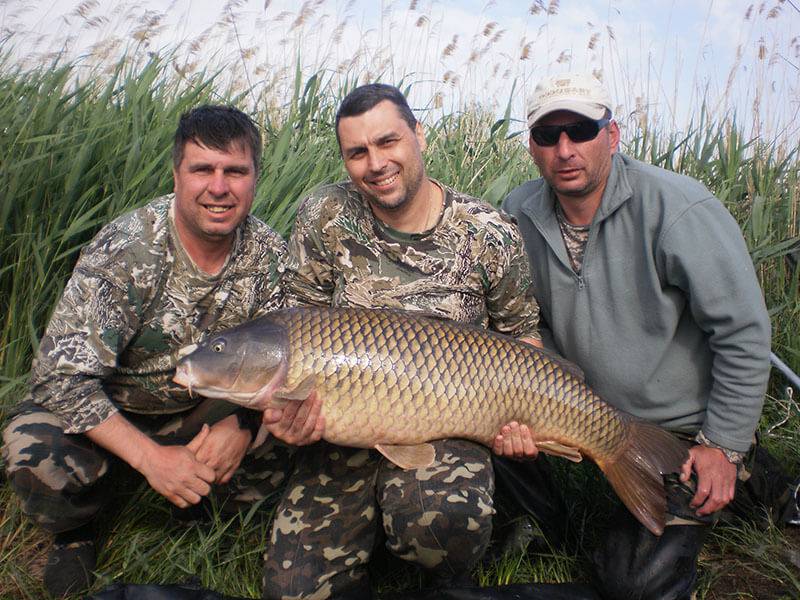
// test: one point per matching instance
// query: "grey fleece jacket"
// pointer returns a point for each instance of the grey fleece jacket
(666, 319)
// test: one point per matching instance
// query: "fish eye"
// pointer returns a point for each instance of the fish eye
(218, 346)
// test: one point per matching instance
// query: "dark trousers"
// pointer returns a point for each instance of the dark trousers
(629, 562)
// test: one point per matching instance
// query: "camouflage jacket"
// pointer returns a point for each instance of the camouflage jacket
(133, 300)
(471, 267)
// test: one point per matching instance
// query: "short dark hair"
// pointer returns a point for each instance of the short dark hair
(366, 97)
(217, 127)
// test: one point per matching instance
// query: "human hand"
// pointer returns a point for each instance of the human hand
(297, 423)
(175, 473)
(224, 447)
(515, 441)
(716, 478)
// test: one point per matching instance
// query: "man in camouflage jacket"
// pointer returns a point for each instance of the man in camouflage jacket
(159, 278)
(393, 238)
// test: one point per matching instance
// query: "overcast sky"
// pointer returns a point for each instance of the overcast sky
(661, 56)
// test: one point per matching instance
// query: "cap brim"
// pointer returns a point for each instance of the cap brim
(590, 110)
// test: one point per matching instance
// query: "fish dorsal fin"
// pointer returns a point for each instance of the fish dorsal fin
(408, 457)
(569, 366)
(300, 392)
(557, 449)
(410, 312)
(428, 314)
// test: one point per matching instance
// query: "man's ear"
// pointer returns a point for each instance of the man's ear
(420, 133)
(613, 137)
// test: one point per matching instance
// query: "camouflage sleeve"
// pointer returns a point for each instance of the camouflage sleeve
(270, 295)
(308, 267)
(512, 307)
(92, 322)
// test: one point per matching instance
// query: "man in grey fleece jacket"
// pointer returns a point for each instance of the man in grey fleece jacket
(644, 281)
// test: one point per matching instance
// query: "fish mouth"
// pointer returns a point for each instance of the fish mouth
(183, 376)
(242, 398)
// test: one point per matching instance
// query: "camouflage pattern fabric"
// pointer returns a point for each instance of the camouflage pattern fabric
(63, 482)
(327, 522)
(575, 238)
(470, 267)
(134, 299)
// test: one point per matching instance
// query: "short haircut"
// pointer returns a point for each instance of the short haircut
(217, 127)
(366, 97)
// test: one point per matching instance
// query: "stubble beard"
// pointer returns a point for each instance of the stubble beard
(594, 179)
(573, 192)
(411, 192)
(389, 206)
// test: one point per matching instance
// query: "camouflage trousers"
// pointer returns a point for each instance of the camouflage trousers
(340, 502)
(63, 479)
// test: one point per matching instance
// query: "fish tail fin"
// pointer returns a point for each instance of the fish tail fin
(636, 473)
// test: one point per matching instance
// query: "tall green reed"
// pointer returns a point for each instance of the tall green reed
(78, 149)
(75, 151)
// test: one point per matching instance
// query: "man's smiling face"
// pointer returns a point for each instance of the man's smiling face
(214, 191)
(383, 155)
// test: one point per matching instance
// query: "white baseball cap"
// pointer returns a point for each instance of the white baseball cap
(581, 93)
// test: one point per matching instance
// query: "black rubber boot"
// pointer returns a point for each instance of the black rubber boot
(631, 562)
(71, 562)
(361, 591)
(185, 591)
(519, 591)
(527, 489)
(768, 494)
(439, 581)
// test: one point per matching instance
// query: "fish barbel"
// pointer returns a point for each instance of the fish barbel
(393, 380)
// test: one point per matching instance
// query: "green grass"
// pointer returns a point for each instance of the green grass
(77, 151)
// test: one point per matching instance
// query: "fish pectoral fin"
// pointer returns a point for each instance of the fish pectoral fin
(261, 436)
(556, 449)
(408, 457)
(300, 392)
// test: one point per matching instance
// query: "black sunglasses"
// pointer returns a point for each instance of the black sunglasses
(582, 131)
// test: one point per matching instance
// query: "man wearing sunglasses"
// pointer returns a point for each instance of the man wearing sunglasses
(644, 280)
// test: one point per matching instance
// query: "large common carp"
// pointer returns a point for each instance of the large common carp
(393, 380)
